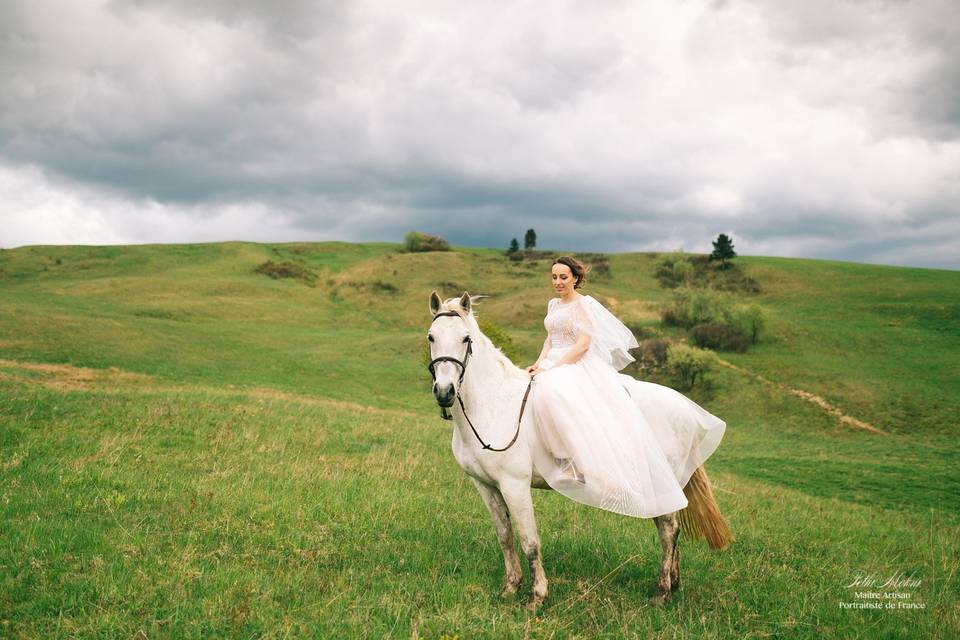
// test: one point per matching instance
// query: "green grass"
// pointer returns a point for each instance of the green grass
(265, 460)
(879, 341)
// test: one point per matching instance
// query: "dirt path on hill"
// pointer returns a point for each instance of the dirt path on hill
(809, 397)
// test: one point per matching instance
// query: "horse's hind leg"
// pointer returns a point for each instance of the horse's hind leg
(513, 574)
(675, 569)
(668, 528)
(520, 502)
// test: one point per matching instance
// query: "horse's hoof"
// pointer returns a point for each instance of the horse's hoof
(511, 585)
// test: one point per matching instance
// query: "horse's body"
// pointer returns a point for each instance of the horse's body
(491, 389)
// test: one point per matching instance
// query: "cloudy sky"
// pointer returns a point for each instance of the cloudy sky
(823, 129)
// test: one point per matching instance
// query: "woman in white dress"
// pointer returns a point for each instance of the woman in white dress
(611, 441)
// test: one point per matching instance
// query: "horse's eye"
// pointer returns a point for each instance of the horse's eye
(466, 338)
(430, 338)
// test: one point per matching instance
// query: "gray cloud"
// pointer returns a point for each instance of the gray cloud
(807, 129)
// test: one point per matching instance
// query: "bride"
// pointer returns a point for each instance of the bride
(614, 442)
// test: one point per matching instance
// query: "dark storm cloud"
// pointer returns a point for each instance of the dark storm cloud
(817, 129)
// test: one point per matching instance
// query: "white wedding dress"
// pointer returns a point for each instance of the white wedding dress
(633, 444)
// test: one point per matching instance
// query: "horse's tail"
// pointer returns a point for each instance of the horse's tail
(701, 518)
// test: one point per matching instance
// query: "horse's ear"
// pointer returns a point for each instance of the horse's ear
(465, 301)
(434, 303)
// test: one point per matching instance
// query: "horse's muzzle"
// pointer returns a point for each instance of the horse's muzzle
(445, 396)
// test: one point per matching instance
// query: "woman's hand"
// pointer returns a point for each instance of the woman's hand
(533, 369)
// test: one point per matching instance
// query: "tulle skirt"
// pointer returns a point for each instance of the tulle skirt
(633, 445)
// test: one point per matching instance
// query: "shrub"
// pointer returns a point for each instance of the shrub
(687, 364)
(597, 263)
(683, 271)
(750, 319)
(678, 269)
(672, 318)
(418, 241)
(677, 312)
(708, 305)
(530, 256)
(674, 269)
(720, 337)
(696, 306)
(500, 338)
(652, 354)
(286, 269)
(693, 307)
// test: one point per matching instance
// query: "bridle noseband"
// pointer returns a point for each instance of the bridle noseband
(445, 414)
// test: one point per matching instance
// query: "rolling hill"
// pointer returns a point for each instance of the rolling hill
(191, 447)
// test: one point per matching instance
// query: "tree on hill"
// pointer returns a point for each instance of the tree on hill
(530, 239)
(514, 247)
(723, 250)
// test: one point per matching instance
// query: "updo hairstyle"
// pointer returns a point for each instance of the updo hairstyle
(577, 268)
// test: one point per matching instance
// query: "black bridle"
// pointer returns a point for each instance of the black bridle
(463, 369)
(461, 363)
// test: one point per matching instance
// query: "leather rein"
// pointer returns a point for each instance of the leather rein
(463, 369)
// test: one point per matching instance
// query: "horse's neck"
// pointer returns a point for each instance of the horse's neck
(491, 398)
(485, 384)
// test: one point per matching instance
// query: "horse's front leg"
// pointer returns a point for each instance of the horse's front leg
(668, 528)
(513, 574)
(520, 503)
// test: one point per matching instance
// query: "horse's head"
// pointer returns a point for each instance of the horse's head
(450, 346)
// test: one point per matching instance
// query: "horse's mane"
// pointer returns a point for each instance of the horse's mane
(453, 304)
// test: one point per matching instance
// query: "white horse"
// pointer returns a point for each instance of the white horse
(486, 391)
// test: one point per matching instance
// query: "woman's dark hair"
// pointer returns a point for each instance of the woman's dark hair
(577, 268)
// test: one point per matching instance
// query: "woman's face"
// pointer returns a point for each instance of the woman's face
(563, 279)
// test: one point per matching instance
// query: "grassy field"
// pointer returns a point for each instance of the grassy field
(192, 449)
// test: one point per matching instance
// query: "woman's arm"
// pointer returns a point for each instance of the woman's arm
(544, 351)
(543, 354)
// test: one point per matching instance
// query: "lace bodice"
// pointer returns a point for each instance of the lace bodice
(564, 322)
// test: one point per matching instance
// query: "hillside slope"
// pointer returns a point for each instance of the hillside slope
(190, 448)
(878, 342)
